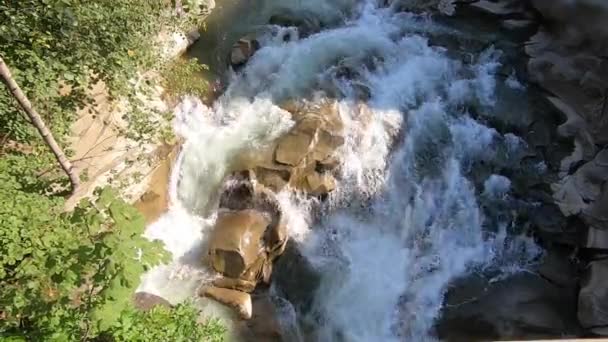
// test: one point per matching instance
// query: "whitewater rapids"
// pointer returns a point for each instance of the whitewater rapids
(416, 223)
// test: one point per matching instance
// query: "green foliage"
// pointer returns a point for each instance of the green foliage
(162, 324)
(70, 276)
(184, 77)
(57, 49)
(67, 275)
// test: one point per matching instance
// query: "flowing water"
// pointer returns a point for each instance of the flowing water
(407, 218)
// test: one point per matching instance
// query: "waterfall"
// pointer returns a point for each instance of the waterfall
(414, 223)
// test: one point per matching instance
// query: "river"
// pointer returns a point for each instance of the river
(412, 212)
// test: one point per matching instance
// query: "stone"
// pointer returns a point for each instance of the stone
(265, 323)
(146, 301)
(326, 145)
(242, 51)
(595, 238)
(235, 284)
(593, 296)
(596, 214)
(320, 184)
(237, 192)
(275, 180)
(575, 193)
(237, 300)
(292, 148)
(521, 305)
(558, 267)
(193, 36)
(236, 241)
(295, 279)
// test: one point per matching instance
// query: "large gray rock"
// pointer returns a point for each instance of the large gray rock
(593, 297)
(576, 193)
(295, 279)
(522, 305)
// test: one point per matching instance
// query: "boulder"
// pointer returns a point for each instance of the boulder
(326, 144)
(577, 192)
(237, 300)
(265, 323)
(295, 278)
(521, 305)
(304, 157)
(146, 301)
(595, 238)
(596, 215)
(242, 51)
(293, 147)
(558, 267)
(237, 192)
(236, 241)
(319, 184)
(593, 297)
(275, 180)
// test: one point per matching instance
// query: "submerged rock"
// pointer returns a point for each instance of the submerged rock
(307, 23)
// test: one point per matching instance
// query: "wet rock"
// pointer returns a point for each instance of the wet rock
(293, 147)
(596, 214)
(146, 301)
(264, 324)
(558, 267)
(242, 51)
(326, 144)
(232, 254)
(595, 238)
(522, 305)
(237, 192)
(275, 180)
(237, 300)
(306, 157)
(295, 279)
(593, 297)
(320, 184)
(576, 193)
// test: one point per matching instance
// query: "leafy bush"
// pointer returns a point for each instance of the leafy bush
(70, 276)
(67, 275)
(162, 324)
(57, 49)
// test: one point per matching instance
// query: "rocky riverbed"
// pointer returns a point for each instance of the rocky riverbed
(440, 169)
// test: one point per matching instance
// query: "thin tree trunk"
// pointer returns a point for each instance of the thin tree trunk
(26, 105)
